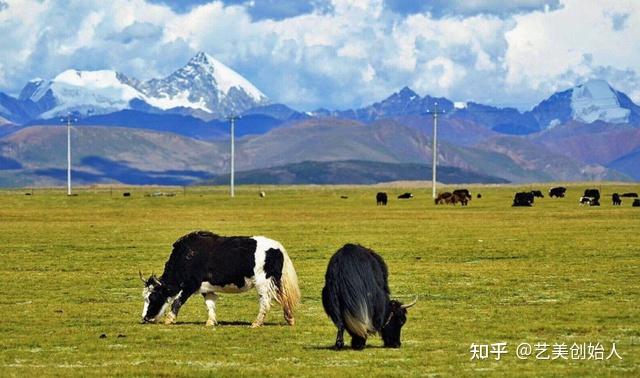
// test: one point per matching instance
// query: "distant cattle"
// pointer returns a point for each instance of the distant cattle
(557, 191)
(593, 193)
(591, 201)
(344, 197)
(443, 198)
(479, 195)
(615, 198)
(636, 203)
(461, 198)
(262, 194)
(537, 193)
(463, 193)
(523, 199)
(126, 194)
(632, 195)
(381, 199)
(356, 298)
(405, 196)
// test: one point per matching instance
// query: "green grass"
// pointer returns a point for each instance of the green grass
(554, 273)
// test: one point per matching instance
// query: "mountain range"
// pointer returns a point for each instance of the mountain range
(174, 130)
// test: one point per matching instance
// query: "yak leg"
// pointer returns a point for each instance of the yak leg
(288, 315)
(176, 305)
(210, 302)
(339, 339)
(357, 342)
(265, 305)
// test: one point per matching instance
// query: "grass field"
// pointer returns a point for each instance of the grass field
(488, 273)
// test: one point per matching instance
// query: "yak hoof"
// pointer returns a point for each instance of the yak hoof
(290, 321)
(170, 319)
(339, 345)
(358, 343)
(256, 325)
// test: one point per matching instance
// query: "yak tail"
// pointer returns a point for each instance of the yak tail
(289, 292)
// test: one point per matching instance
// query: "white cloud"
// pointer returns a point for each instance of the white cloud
(353, 55)
(570, 43)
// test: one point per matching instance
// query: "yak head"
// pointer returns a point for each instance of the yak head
(396, 317)
(156, 299)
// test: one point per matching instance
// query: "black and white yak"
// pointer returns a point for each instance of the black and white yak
(206, 263)
(356, 298)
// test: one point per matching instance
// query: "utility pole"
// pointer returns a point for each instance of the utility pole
(69, 120)
(435, 112)
(232, 119)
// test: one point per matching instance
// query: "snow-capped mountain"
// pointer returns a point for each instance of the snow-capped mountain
(203, 85)
(597, 101)
(85, 92)
(592, 101)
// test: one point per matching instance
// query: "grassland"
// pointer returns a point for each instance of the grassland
(488, 273)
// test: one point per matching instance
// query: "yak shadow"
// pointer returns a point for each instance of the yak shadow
(222, 323)
(346, 348)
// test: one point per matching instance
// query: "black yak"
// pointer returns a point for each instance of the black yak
(523, 199)
(356, 298)
(537, 193)
(557, 191)
(381, 198)
(593, 193)
(615, 197)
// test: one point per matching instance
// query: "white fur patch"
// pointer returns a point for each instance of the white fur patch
(206, 287)
(360, 324)
(146, 292)
(264, 285)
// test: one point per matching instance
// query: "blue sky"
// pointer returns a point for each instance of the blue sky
(336, 53)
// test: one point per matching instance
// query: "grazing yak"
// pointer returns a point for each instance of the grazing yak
(632, 195)
(206, 263)
(451, 199)
(557, 191)
(381, 199)
(463, 193)
(537, 193)
(636, 203)
(523, 199)
(443, 198)
(462, 199)
(405, 196)
(356, 298)
(591, 197)
(592, 193)
(615, 198)
(591, 201)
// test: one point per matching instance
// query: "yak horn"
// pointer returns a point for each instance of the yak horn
(141, 277)
(410, 304)
(156, 280)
